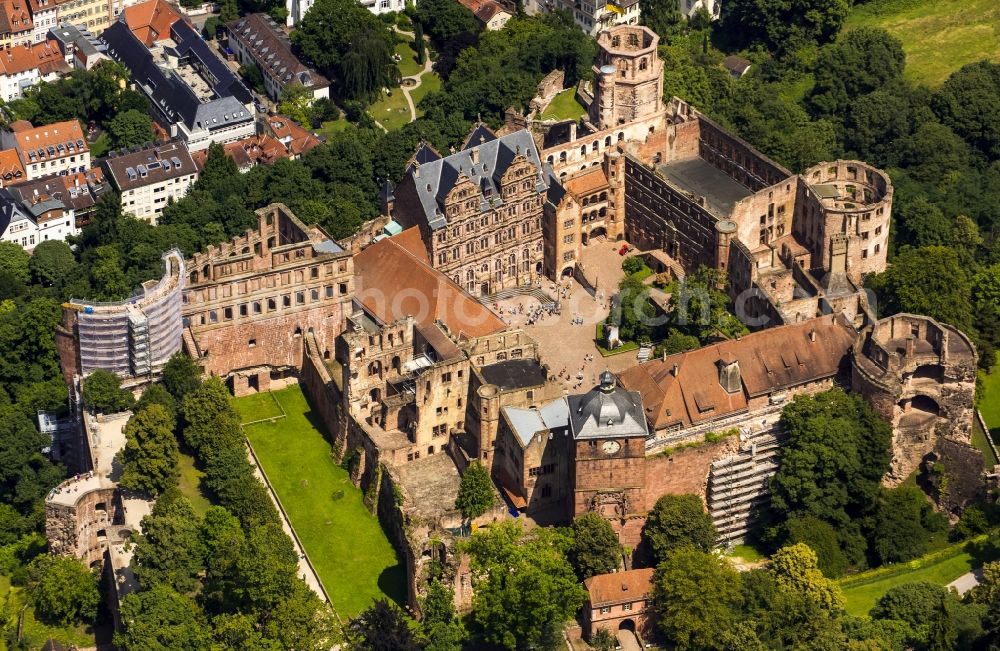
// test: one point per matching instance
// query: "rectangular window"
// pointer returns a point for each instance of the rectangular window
(252, 343)
(300, 298)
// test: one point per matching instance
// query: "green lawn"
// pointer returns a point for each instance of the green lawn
(332, 127)
(345, 542)
(391, 112)
(563, 107)
(429, 82)
(190, 484)
(747, 553)
(258, 406)
(408, 66)
(989, 399)
(938, 36)
(100, 146)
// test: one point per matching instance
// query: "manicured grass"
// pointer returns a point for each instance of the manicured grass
(989, 399)
(408, 65)
(392, 111)
(259, 406)
(330, 128)
(190, 484)
(979, 440)
(746, 553)
(345, 542)
(563, 107)
(938, 37)
(429, 82)
(862, 595)
(100, 146)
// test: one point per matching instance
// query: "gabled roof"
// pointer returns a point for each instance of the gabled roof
(435, 179)
(11, 169)
(150, 21)
(272, 51)
(618, 587)
(297, 139)
(392, 283)
(46, 57)
(168, 91)
(769, 361)
(47, 142)
(14, 17)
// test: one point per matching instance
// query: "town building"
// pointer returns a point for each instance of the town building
(248, 152)
(11, 168)
(58, 148)
(133, 338)
(16, 223)
(257, 40)
(296, 139)
(297, 9)
(480, 210)
(593, 16)
(691, 7)
(43, 17)
(16, 26)
(250, 302)
(193, 93)
(81, 49)
(74, 194)
(149, 178)
(492, 15)
(620, 601)
(93, 15)
(23, 66)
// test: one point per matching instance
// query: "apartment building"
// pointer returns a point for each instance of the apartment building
(44, 16)
(95, 15)
(79, 46)
(58, 148)
(194, 94)
(149, 178)
(256, 39)
(16, 26)
(23, 66)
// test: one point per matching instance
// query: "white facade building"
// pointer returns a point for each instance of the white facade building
(149, 178)
(58, 148)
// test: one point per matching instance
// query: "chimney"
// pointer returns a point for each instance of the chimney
(474, 155)
(675, 370)
(812, 335)
(909, 346)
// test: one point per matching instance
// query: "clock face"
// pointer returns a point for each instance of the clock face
(610, 447)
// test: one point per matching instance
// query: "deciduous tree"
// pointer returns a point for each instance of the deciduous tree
(160, 619)
(102, 391)
(475, 493)
(149, 459)
(181, 375)
(170, 549)
(678, 521)
(62, 590)
(51, 261)
(697, 597)
(595, 548)
(131, 128)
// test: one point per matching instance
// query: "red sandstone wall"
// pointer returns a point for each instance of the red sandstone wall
(685, 471)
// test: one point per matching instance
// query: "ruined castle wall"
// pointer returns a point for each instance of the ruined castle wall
(737, 158)
(82, 528)
(661, 216)
(766, 215)
(645, 139)
(685, 471)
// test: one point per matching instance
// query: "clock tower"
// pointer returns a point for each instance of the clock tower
(609, 431)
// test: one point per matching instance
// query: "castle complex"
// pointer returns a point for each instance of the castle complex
(410, 370)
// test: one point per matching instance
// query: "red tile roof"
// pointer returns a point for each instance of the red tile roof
(11, 169)
(770, 361)
(46, 57)
(614, 588)
(393, 282)
(15, 17)
(150, 21)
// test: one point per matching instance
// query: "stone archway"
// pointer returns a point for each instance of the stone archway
(627, 625)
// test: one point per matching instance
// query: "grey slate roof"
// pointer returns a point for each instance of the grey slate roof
(514, 374)
(11, 210)
(607, 411)
(436, 178)
(528, 422)
(167, 91)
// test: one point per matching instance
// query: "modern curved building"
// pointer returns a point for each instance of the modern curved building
(133, 338)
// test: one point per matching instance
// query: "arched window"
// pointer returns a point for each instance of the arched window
(643, 64)
(621, 136)
(604, 196)
(562, 157)
(607, 141)
(594, 146)
(583, 150)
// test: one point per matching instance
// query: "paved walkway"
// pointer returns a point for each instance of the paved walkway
(967, 581)
(628, 641)
(564, 343)
(305, 568)
(417, 77)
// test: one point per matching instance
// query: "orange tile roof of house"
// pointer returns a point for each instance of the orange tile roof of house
(393, 282)
(15, 17)
(50, 135)
(46, 57)
(11, 169)
(296, 138)
(150, 21)
(617, 587)
(684, 389)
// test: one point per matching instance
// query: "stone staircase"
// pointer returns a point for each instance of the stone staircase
(534, 292)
